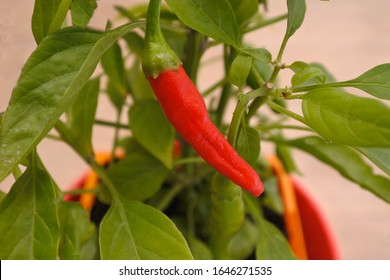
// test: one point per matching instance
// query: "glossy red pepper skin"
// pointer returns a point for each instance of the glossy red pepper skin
(185, 108)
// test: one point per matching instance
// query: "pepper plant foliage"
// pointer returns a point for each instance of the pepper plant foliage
(160, 200)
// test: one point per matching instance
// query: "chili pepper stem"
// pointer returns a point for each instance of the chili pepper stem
(158, 56)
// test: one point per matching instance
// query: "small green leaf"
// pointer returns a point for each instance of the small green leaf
(81, 116)
(152, 130)
(215, 19)
(29, 227)
(227, 215)
(379, 156)
(271, 197)
(239, 70)
(244, 242)
(344, 118)
(135, 231)
(139, 86)
(306, 74)
(244, 9)
(49, 83)
(113, 65)
(296, 15)
(259, 54)
(82, 11)
(248, 144)
(48, 17)
(138, 176)
(271, 244)
(76, 232)
(375, 81)
(346, 161)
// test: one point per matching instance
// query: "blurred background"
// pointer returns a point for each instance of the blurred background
(348, 36)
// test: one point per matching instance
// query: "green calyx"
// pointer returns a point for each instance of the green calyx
(158, 56)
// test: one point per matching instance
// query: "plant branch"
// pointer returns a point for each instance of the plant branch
(287, 112)
(264, 23)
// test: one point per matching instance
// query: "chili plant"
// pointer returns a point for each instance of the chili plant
(170, 187)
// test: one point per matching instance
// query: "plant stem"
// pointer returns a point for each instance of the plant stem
(194, 50)
(287, 112)
(81, 191)
(16, 172)
(280, 126)
(116, 137)
(308, 88)
(214, 87)
(112, 124)
(103, 176)
(266, 22)
(169, 196)
(236, 121)
(226, 90)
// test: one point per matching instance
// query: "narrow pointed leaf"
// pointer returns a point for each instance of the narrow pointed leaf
(375, 81)
(49, 83)
(347, 162)
(48, 17)
(77, 231)
(152, 130)
(379, 156)
(215, 19)
(239, 70)
(248, 144)
(296, 15)
(348, 119)
(271, 244)
(82, 11)
(29, 227)
(81, 116)
(135, 231)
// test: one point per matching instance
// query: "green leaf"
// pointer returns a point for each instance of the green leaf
(296, 15)
(152, 130)
(29, 227)
(81, 116)
(244, 9)
(215, 19)
(2, 195)
(379, 156)
(271, 197)
(244, 242)
(344, 118)
(306, 74)
(113, 65)
(135, 231)
(227, 215)
(82, 11)
(49, 83)
(139, 85)
(347, 162)
(138, 176)
(272, 245)
(259, 54)
(248, 144)
(48, 16)
(199, 249)
(239, 70)
(77, 231)
(375, 81)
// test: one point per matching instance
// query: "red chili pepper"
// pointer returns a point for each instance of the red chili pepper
(186, 110)
(184, 107)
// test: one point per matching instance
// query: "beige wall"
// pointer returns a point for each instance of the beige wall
(349, 36)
